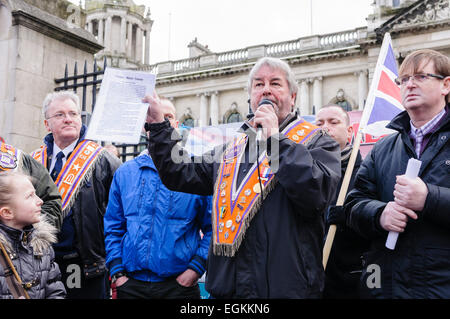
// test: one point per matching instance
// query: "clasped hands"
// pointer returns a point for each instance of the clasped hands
(409, 196)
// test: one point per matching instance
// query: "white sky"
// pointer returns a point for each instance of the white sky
(226, 25)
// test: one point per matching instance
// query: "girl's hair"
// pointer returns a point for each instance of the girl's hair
(6, 185)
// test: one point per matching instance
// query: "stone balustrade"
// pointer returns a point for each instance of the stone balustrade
(280, 49)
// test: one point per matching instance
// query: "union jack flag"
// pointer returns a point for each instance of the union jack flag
(383, 101)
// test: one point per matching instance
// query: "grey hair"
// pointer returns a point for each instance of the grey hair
(277, 64)
(61, 95)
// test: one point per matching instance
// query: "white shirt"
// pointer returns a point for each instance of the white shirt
(66, 152)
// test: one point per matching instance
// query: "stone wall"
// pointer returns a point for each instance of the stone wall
(37, 48)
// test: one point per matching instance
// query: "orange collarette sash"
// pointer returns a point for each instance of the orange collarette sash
(233, 208)
(75, 171)
(9, 157)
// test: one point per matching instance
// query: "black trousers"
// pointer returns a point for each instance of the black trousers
(76, 283)
(169, 289)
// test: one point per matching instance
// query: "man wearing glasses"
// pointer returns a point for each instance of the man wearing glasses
(83, 172)
(384, 199)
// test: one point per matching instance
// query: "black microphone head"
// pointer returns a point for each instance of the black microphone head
(265, 101)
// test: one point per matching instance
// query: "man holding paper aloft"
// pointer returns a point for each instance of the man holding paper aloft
(267, 211)
(385, 200)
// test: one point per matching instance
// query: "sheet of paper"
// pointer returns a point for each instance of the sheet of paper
(119, 113)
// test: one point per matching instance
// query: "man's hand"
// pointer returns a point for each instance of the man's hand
(410, 193)
(395, 217)
(188, 278)
(121, 280)
(266, 117)
(155, 112)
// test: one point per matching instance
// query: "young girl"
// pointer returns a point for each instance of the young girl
(28, 239)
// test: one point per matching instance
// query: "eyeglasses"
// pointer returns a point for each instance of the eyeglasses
(62, 116)
(418, 78)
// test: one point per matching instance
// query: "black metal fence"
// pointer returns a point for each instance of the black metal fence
(89, 83)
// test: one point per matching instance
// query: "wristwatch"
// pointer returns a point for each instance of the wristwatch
(116, 276)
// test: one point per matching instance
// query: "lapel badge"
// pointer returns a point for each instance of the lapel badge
(223, 211)
(257, 188)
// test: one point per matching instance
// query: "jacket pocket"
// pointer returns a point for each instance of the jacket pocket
(437, 273)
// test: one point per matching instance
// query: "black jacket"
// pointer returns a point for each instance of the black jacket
(281, 254)
(344, 263)
(419, 267)
(89, 208)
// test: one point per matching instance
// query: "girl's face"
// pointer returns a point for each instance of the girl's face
(25, 205)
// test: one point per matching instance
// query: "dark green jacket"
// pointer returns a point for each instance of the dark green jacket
(45, 189)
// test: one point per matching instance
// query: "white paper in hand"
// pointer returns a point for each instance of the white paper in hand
(119, 113)
(412, 171)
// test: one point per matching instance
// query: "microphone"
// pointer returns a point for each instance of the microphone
(259, 127)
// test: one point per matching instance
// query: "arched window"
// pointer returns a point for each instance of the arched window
(189, 121)
(234, 117)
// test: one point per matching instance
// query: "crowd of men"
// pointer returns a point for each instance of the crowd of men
(253, 213)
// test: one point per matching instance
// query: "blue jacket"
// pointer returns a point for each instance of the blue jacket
(151, 232)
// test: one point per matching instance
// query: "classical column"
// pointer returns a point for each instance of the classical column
(123, 35)
(147, 46)
(100, 31)
(215, 108)
(89, 26)
(138, 56)
(304, 97)
(203, 110)
(107, 41)
(130, 39)
(317, 93)
(362, 88)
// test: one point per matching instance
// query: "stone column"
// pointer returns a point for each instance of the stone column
(317, 93)
(107, 41)
(130, 38)
(215, 108)
(147, 46)
(362, 88)
(138, 55)
(100, 31)
(89, 26)
(123, 35)
(203, 110)
(304, 97)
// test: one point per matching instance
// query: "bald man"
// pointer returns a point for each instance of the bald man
(344, 264)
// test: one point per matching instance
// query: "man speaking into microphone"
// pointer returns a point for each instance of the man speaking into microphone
(267, 221)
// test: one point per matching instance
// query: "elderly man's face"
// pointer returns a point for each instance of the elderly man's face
(64, 121)
(269, 83)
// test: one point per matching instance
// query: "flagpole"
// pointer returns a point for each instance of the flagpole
(341, 198)
(362, 126)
